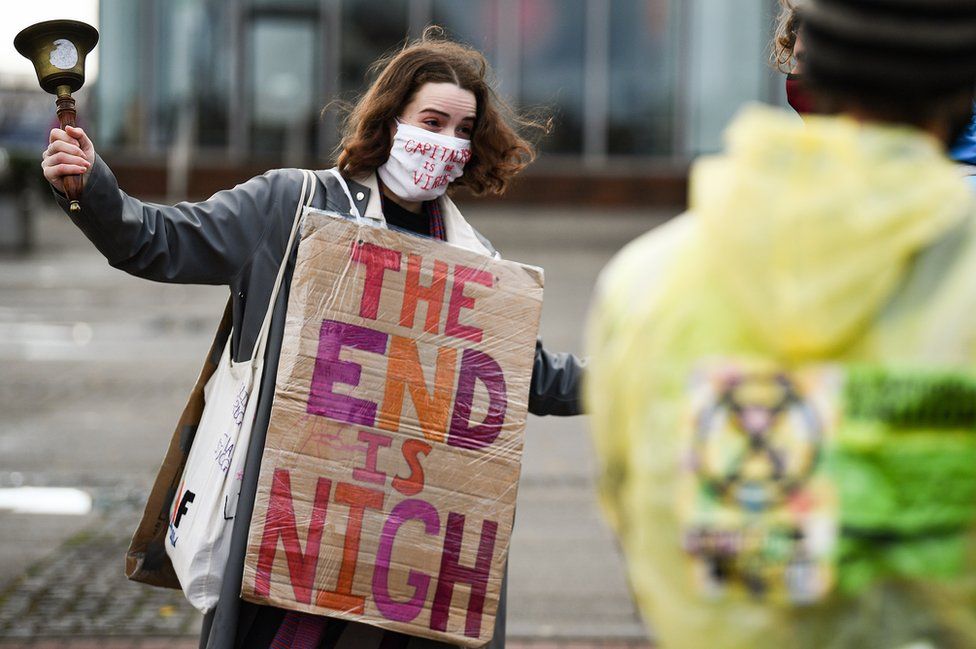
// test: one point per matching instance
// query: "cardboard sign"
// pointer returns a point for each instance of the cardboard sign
(390, 471)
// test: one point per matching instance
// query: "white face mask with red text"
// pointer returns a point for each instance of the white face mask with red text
(422, 164)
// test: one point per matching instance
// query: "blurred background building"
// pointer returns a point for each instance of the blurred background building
(194, 95)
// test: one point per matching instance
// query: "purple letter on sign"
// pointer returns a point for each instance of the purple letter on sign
(329, 370)
(477, 365)
(452, 572)
(391, 609)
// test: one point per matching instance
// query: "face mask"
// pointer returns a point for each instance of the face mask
(422, 164)
(798, 96)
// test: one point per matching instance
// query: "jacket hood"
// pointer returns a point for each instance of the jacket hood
(810, 226)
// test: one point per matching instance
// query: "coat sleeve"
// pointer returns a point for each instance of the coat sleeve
(190, 243)
(556, 379)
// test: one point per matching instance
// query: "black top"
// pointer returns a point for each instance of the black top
(404, 219)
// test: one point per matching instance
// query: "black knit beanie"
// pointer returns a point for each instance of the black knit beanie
(910, 49)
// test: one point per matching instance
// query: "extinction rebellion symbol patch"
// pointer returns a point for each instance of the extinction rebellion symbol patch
(758, 512)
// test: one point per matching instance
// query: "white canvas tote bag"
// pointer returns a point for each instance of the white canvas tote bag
(202, 513)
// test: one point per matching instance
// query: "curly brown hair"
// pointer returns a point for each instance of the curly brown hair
(498, 151)
(784, 38)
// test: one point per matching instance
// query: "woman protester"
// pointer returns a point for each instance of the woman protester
(432, 90)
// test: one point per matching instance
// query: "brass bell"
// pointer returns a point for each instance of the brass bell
(58, 48)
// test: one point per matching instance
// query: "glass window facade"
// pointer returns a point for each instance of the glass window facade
(189, 86)
(725, 67)
(212, 66)
(623, 79)
(553, 61)
(474, 23)
(370, 29)
(643, 56)
(119, 92)
(282, 77)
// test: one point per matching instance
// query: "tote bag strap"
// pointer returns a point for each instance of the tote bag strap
(309, 186)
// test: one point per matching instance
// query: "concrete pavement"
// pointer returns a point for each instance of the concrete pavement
(97, 365)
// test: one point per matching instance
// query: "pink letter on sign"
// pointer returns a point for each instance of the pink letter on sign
(329, 370)
(402, 611)
(477, 365)
(280, 523)
(370, 473)
(464, 275)
(453, 572)
(377, 260)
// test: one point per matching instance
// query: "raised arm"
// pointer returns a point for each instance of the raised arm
(192, 243)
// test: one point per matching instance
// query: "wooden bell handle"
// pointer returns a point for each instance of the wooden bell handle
(66, 116)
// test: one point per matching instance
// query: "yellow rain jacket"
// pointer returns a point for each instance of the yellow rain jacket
(782, 395)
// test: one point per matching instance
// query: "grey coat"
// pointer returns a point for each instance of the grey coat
(237, 238)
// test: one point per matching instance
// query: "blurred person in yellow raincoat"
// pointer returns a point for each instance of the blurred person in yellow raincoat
(782, 387)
